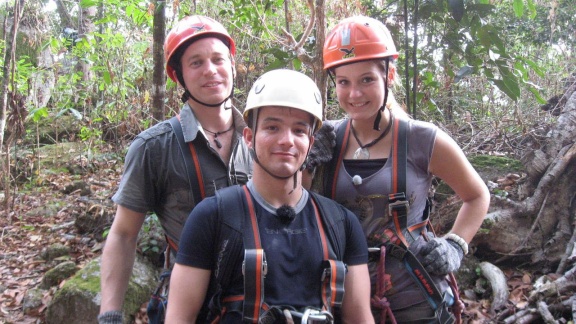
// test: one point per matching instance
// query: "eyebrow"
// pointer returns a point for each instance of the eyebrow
(276, 119)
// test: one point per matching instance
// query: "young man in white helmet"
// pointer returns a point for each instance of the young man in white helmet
(295, 263)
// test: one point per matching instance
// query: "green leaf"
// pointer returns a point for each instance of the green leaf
(88, 3)
(534, 67)
(38, 113)
(456, 8)
(297, 64)
(537, 95)
(509, 86)
(532, 9)
(76, 113)
(464, 71)
(489, 37)
(107, 78)
(518, 8)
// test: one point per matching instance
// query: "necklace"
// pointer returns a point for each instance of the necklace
(362, 152)
(216, 140)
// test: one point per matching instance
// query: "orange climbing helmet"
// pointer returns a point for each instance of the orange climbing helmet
(192, 27)
(356, 39)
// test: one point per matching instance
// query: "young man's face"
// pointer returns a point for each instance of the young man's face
(208, 70)
(282, 139)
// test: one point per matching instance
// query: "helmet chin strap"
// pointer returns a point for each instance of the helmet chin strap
(379, 115)
(187, 95)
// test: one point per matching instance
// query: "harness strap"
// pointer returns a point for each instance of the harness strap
(342, 135)
(192, 163)
(398, 205)
(334, 270)
(255, 268)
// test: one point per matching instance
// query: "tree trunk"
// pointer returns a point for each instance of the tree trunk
(158, 78)
(8, 63)
(85, 26)
(6, 76)
(538, 228)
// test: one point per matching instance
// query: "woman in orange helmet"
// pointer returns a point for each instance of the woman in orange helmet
(409, 285)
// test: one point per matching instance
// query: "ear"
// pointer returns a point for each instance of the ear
(233, 62)
(248, 136)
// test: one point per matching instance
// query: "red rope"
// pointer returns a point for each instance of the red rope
(378, 300)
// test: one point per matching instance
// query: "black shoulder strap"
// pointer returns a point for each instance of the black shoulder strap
(229, 245)
(330, 220)
(333, 218)
(332, 168)
(191, 165)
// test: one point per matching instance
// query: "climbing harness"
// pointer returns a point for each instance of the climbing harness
(400, 237)
(236, 210)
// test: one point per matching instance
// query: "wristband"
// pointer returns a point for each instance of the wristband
(460, 241)
(110, 317)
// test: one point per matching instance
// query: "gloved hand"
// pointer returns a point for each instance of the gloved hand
(441, 256)
(110, 317)
(323, 148)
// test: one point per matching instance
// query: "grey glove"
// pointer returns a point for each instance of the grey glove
(441, 256)
(323, 148)
(110, 317)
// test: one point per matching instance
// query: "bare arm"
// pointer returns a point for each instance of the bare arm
(356, 304)
(188, 287)
(450, 164)
(118, 257)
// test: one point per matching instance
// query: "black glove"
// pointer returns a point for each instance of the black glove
(110, 317)
(441, 256)
(323, 148)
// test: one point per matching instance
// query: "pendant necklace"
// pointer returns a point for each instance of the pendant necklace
(218, 143)
(362, 152)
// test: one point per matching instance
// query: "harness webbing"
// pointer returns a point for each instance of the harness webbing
(255, 267)
(334, 270)
(192, 163)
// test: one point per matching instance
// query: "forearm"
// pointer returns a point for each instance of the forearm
(116, 269)
(470, 217)
(356, 303)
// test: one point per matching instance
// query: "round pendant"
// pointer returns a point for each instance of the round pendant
(361, 154)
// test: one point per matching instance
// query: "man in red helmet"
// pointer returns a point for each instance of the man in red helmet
(172, 166)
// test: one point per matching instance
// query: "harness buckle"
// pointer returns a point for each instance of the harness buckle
(397, 202)
(396, 251)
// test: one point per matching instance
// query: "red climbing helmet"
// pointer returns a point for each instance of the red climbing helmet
(193, 27)
(356, 39)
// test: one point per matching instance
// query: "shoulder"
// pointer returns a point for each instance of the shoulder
(155, 131)
(330, 208)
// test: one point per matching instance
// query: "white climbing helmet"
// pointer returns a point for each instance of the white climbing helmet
(286, 88)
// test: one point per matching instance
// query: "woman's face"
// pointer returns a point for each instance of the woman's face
(360, 89)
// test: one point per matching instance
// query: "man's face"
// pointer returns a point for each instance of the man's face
(208, 70)
(282, 139)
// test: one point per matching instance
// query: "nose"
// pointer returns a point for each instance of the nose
(286, 137)
(210, 68)
(355, 91)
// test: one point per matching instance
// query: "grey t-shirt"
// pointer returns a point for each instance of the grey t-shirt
(155, 177)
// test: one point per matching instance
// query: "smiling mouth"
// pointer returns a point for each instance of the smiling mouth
(212, 84)
(358, 104)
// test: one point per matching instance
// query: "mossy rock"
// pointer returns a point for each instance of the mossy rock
(78, 301)
(489, 167)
